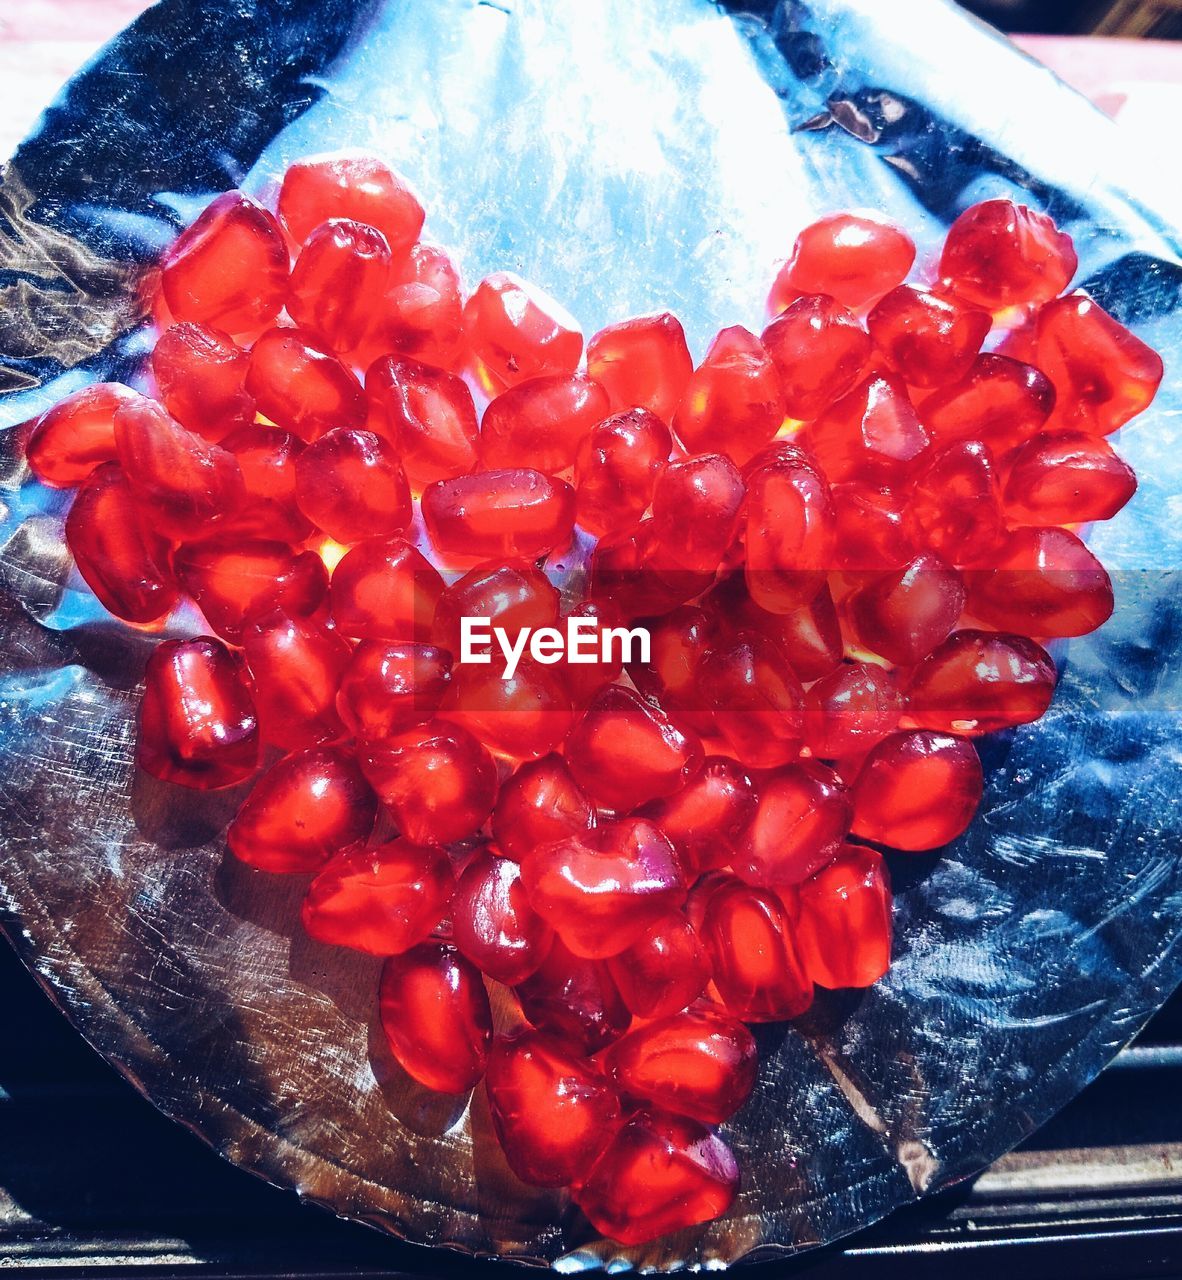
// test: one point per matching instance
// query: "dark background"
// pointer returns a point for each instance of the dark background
(1153, 19)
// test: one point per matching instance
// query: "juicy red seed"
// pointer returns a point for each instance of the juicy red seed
(809, 637)
(76, 435)
(599, 890)
(427, 414)
(820, 350)
(928, 340)
(492, 922)
(704, 818)
(541, 423)
(756, 699)
(917, 790)
(385, 589)
(850, 709)
(1000, 254)
(382, 900)
(757, 969)
(678, 643)
(954, 507)
(574, 999)
(616, 467)
(552, 1109)
(303, 810)
(870, 530)
(516, 331)
(301, 386)
(197, 723)
(267, 457)
(902, 615)
(540, 803)
(119, 553)
(354, 186)
(436, 779)
(642, 363)
(388, 687)
(635, 575)
(434, 1010)
(873, 434)
(517, 513)
(664, 970)
(422, 310)
(697, 505)
(1067, 477)
(337, 282)
(624, 752)
(979, 681)
(351, 485)
(802, 816)
(512, 594)
(700, 1063)
(660, 1173)
(201, 374)
(229, 269)
(1000, 401)
(844, 931)
(523, 716)
(733, 402)
(853, 257)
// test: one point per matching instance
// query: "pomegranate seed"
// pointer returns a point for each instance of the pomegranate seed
(523, 716)
(954, 507)
(873, 434)
(697, 504)
(541, 423)
(512, 594)
(633, 573)
(802, 816)
(197, 721)
(354, 186)
(493, 923)
(201, 373)
(351, 485)
(342, 268)
(435, 1013)
(928, 340)
(616, 467)
(678, 644)
(516, 331)
(809, 637)
(383, 900)
(267, 457)
(76, 435)
(849, 710)
(385, 590)
(705, 817)
(388, 687)
(516, 513)
(642, 363)
(423, 309)
(303, 810)
(870, 530)
(844, 932)
(585, 679)
(820, 351)
(663, 971)
(574, 999)
(539, 804)
(299, 385)
(853, 257)
(1067, 477)
(427, 414)
(1000, 401)
(902, 615)
(756, 699)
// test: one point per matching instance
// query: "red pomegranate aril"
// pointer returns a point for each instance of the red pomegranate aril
(434, 1010)
(351, 485)
(584, 679)
(539, 804)
(201, 374)
(512, 595)
(1041, 582)
(849, 710)
(844, 931)
(385, 589)
(523, 716)
(903, 614)
(197, 723)
(700, 1063)
(574, 999)
(802, 816)
(954, 506)
(383, 900)
(872, 435)
(633, 573)
(338, 281)
(820, 350)
(642, 363)
(492, 922)
(1103, 374)
(552, 1109)
(436, 779)
(624, 751)
(233, 581)
(756, 700)
(705, 817)
(733, 403)
(1000, 401)
(76, 435)
(299, 385)
(616, 467)
(229, 269)
(120, 555)
(514, 513)
(917, 790)
(304, 809)
(267, 457)
(871, 533)
(928, 340)
(853, 257)
(354, 186)
(790, 530)
(599, 890)
(427, 414)
(388, 687)
(999, 254)
(541, 423)
(659, 1173)
(295, 666)
(423, 309)
(664, 970)
(751, 940)
(516, 331)
(678, 642)
(1067, 477)
(979, 681)
(186, 481)
(808, 637)
(697, 505)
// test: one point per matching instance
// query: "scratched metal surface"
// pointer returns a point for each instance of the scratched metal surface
(627, 156)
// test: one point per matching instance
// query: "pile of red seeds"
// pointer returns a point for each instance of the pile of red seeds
(848, 538)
